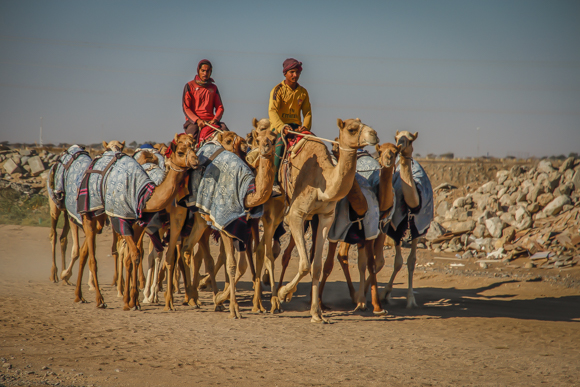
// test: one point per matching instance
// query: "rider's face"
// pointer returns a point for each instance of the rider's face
(204, 72)
(292, 76)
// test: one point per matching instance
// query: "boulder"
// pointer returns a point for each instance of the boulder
(479, 231)
(545, 166)
(567, 164)
(36, 165)
(459, 203)
(576, 180)
(466, 226)
(544, 199)
(11, 167)
(555, 206)
(494, 226)
(442, 208)
(435, 231)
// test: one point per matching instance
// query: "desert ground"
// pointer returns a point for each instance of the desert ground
(504, 325)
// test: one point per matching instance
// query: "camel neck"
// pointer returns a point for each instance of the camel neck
(264, 182)
(386, 196)
(165, 192)
(341, 177)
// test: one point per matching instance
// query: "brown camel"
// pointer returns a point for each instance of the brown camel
(371, 251)
(412, 212)
(313, 185)
(55, 212)
(236, 263)
(182, 158)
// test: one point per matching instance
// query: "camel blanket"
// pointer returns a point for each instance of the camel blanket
(155, 172)
(123, 188)
(67, 182)
(424, 217)
(342, 222)
(220, 188)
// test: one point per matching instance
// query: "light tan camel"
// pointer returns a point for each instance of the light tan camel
(313, 185)
(236, 263)
(410, 195)
(370, 253)
(182, 158)
(68, 225)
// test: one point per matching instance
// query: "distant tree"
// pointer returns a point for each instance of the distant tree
(431, 156)
(573, 154)
(448, 155)
(417, 155)
(133, 144)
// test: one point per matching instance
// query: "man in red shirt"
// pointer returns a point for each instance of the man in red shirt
(202, 104)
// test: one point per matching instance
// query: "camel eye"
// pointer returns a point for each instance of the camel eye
(180, 154)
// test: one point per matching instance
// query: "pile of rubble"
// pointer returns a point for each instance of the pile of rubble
(531, 212)
(25, 170)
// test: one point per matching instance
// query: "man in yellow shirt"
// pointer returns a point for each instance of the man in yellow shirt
(287, 100)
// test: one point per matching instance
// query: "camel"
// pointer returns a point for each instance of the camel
(370, 249)
(182, 159)
(313, 185)
(236, 263)
(57, 209)
(414, 210)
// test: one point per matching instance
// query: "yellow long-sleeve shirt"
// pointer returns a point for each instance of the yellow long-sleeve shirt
(285, 106)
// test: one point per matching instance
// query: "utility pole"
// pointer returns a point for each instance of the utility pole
(40, 142)
(477, 130)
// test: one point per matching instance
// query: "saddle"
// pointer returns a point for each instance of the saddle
(59, 195)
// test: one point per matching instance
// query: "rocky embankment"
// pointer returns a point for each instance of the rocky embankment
(526, 211)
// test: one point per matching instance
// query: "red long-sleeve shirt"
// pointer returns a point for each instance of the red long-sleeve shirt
(200, 102)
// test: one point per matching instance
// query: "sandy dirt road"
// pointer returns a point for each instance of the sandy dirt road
(471, 330)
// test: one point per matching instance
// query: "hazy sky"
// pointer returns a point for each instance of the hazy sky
(103, 70)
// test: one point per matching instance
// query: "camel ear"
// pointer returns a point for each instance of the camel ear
(220, 136)
(255, 122)
(340, 123)
(105, 145)
(123, 143)
(378, 148)
(176, 137)
(415, 136)
(357, 119)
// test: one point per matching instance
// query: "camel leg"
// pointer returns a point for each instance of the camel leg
(361, 302)
(260, 252)
(397, 266)
(131, 296)
(411, 259)
(122, 254)
(64, 239)
(177, 219)
(285, 262)
(147, 296)
(84, 254)
(115, 254)
(92, 227)
(235, 271)
(54, 215)
(74, 255)
(328, 266)
(180, 268)
(378, 257)
(323, 226)
(197, 233)
(296, 223)
(141, 272)
(342, 258)
(377, 308)
(208, 261)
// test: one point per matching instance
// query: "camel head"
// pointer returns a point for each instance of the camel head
(388, 154)
(182, 152)
(405, 140)
(114, 145)
(265, 142)
(233, 143)
(147, 158)
(335, 148)
(355, 135)
(161, 147)
(259, 126)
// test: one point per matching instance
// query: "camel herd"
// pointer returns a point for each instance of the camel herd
(345, 196)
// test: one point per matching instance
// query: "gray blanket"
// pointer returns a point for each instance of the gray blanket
(220, 189)
(122, 188)
(68, 183)
(425, 216)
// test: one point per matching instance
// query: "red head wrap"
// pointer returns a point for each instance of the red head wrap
(290, 64)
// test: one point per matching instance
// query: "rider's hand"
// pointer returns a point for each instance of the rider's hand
(285, 129)
(212, 122)
(200, 123)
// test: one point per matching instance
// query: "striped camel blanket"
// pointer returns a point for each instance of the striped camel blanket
(65, 179)
(220, 188)
(120, 190)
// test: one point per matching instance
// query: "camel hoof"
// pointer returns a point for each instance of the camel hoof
(102, 306)
(324, 307)
(319, 319)
(194, 303)
(276, 307)
(81, 300)
(382, 312)
(360, 306)
(219, 308)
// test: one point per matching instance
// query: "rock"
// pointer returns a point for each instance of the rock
(468, 254)
(483, 265)
(442, 208)
(7, 366)
(459, 203)
(506, 200)
(567, 207)
(516, 171)
(26, 152)
(11, 167)
(576, 180)
(487, 187)
(435, 231)
(529, 265)
(567, 164)
(479, 231)
(555, 206)
(24, 159)
(36, 165)
(553, 181)
(507, 218)
(544, 199)
(545, 166)
(566, 189)
(494, 226)
(466, 226)
(533, 208)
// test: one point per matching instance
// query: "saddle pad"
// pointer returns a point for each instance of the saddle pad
(56, 185)
(220, 188)
(424, 216)
(124, 184)
(370, 222)
(155, 172)
(159, 156)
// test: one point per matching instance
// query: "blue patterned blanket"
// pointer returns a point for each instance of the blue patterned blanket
(159, 156)
(425, 215)
(121, 192)
(221, 188)
(155, 172)
(66, 183)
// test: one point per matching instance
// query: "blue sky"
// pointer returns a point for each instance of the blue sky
(104, 70)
